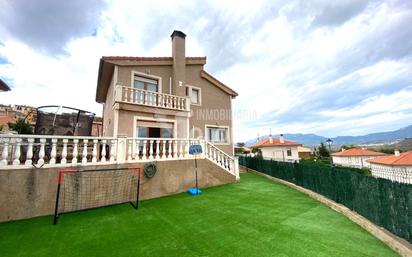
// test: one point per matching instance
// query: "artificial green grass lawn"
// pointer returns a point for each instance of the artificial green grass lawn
(255, 217)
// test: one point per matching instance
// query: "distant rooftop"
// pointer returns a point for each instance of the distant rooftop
(358, 152)
(404, 159)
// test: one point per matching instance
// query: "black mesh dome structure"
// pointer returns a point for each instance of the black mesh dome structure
(63, 121)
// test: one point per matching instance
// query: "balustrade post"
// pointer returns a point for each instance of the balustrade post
(181, 148)
(151, 149)
(16, 160)
(84, 153)
(41, 152)
(53, 151)
(75, 150)
(112, 149)
(64, 151)
(94, 152)
(157, 149)
(137, 154)
(5, 153)
(167, 143)
(103, 152)
(129, 149)
(174, 148)
(29, 154)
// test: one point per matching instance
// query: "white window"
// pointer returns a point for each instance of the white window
(217, 134)
(194, 94)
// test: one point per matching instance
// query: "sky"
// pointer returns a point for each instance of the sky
(326, 67)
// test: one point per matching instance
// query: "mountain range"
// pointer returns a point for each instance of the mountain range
(374, 138)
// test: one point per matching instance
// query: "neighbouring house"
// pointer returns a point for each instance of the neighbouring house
(3, 86)
(278, 149)
(355, 158)
(165, 97)
(304, 152)
(396, 167)
(4, 121)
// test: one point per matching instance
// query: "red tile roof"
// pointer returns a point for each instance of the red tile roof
(404, 159)
(6, 119)
(275, 142)
(358, 152)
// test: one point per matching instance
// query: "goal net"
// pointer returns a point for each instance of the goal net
(88, 189)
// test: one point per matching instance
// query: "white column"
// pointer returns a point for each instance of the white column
(164, 149)
(112, 150)
(136, 153)
(84, 154)
(151, 150)
(94, 152)
(53, 151)
(64, 151)
(41, 152)
(181, 142)
(144, 150)
(157, 149)
(129, 149)
(103, 153)
(16, 160)
(5, 153)
(29, 154)
(174, 148)
(75, 151)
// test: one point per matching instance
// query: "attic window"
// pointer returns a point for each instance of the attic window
(195, 95)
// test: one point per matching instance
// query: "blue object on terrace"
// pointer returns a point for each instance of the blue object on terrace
(194, 191)
(195, 149)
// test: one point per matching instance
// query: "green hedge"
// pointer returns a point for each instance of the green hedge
(387, 204)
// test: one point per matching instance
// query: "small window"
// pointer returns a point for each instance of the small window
(194, 94)
(289, 152)
(217, 135)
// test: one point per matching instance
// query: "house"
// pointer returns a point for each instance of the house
(304, 152)
(3, 86)
(165, 97)
(278, 149)
(396, 167)
(354, 157)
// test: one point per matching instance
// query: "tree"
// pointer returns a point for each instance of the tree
(323, 151)
(21, 127)
(240, 144)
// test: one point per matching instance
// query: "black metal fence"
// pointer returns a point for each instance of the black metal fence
(387, 204)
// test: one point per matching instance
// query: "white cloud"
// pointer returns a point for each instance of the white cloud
(297, 76)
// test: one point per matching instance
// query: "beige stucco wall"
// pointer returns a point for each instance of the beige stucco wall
(26, 193)
(215, 108)
(352, 161)
(279, 153)
(108, 111)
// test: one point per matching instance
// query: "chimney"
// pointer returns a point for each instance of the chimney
(281, 139)
(343, 149)
(270, 136)
(179, 62)
(397, 153)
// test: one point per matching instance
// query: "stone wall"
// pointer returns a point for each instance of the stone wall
(26, 193)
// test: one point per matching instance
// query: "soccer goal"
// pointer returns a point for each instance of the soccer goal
(88, 189)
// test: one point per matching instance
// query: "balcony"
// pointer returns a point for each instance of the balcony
(153, 99)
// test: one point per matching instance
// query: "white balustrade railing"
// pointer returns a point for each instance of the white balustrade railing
(150, 98)
(38, 150)
(49, 151)
(220, 157)
(159, 148)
